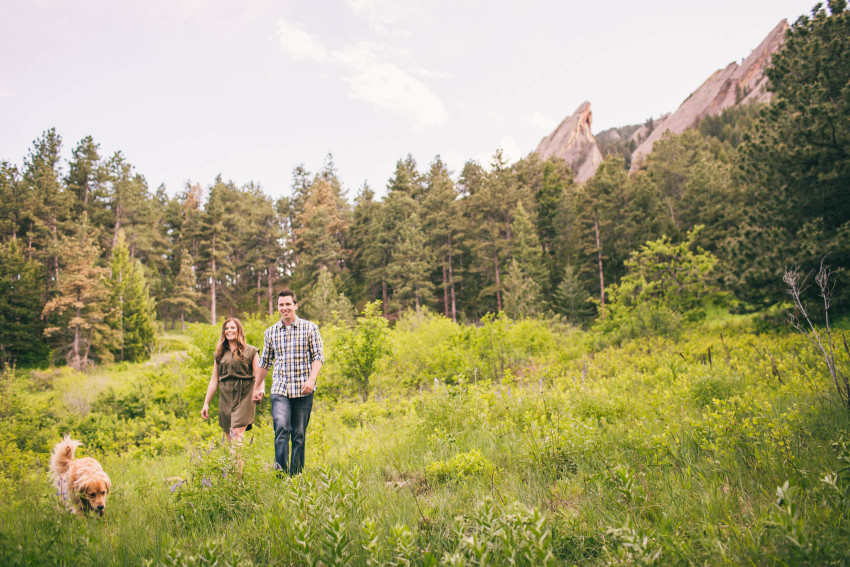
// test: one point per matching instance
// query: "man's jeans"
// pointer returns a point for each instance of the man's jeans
(290, 417)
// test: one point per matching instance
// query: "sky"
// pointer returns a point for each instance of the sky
(190, 89)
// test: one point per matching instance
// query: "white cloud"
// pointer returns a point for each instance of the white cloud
(372, 76)
(6, 93)
(298, 43)
(387, 86)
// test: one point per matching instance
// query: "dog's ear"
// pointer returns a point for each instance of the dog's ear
(108, 485)
(80, 485)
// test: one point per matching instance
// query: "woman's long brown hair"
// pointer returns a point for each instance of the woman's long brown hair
(223, 343)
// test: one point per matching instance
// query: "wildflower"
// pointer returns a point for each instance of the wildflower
(206, 482)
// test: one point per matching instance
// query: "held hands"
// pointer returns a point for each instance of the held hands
(308, 387)
(258, 396)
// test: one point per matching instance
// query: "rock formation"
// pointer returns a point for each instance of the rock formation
(736, 84)
(573, 142)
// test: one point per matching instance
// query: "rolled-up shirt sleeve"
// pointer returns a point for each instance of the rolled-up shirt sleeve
(268, 357)
(315, 346)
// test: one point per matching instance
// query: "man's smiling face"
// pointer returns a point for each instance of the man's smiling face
(286, 307)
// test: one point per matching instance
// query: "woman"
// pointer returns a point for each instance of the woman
(236, 375)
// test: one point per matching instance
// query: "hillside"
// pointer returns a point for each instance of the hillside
(526, 439)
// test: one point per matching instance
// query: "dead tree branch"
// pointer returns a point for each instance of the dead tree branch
(796, 286)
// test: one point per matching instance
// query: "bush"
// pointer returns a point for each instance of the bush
(462, 466)
(710, 385)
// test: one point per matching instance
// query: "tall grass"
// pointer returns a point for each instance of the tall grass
(513, 442)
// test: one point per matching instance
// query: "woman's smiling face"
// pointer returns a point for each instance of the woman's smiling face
(230, 331)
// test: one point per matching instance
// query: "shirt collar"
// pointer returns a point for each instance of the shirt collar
(293, 324)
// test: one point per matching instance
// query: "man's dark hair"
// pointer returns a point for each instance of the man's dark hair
(287, 291)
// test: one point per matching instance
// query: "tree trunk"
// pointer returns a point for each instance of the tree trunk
(259, 293)
(85, 360)
(118, 213)
(599, 258)
(55, 259)
(212, 282)
(76, 348)
(445, 291)
(121, 315)
(452, 283)
(384, 288)
(183, 320)
(269, 284)
(498, 281)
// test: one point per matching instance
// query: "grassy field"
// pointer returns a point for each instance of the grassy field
(528, 443)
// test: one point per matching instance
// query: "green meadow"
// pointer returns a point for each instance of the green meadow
(528, 442)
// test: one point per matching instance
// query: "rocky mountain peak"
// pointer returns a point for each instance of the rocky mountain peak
(573, 142)
(733, 85)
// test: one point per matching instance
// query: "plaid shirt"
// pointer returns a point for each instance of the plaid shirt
(295, 348)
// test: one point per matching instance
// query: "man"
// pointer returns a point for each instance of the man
(295, 347)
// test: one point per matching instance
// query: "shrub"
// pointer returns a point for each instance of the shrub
(461, 467)
(710, 385)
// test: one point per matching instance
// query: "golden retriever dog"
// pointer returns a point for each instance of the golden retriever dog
(81, 483)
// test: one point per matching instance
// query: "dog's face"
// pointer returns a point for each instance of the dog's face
(93, 492)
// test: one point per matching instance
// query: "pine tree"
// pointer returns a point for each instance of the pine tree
(406, 179)
(493, 197)
(47, 206)
(361, 243)
(12, 202)
(603, 206)
(184, 297)
(79, 306)
(523, 296)
(131, 308)
(444, 226)
(21, 328)
(411, 266)
(260, 249)
(551, 183)
(321, 238)
(215, 244)
(796, 164)
(571, 299)
(527, 251)
(86, 180)
(326, 305)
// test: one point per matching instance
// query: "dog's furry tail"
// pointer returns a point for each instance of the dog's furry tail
(63, 454)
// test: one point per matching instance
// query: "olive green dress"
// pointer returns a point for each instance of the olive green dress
(235, 389)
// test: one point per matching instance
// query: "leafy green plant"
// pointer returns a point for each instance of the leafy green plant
(223, 485)
(359, 349)
(214, 552)
(631, 547)
(460, 467)
(665, 283)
